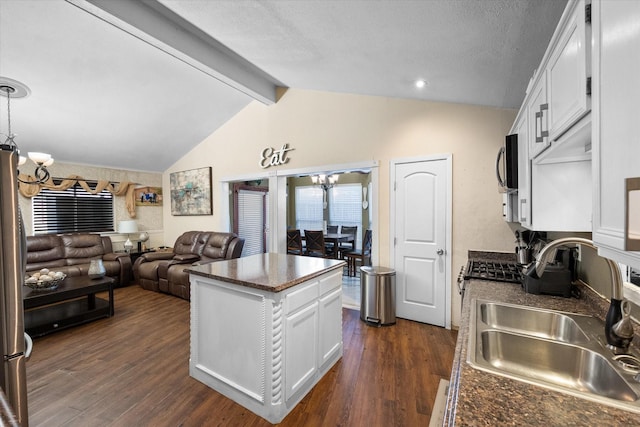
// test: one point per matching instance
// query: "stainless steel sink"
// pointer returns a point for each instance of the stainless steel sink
(555, 363)
(556, 350)
(552, 325)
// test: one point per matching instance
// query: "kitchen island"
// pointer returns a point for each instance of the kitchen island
(481, 398)
(265, 328)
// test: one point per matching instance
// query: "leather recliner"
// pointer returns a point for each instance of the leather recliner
(164, 271)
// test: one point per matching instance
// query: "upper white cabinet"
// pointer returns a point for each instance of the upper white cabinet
(560, 96)
(538, 113)
(616, 135)
(554, 132)
(567, 72)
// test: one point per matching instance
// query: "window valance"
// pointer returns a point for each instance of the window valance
(123, 189)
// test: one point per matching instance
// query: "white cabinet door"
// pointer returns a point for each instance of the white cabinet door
(567, 74)
(524, 170)
(301, 332)
(616, 139)
(330, 326)
(538, 117)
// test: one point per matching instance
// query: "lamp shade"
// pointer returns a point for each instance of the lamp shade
(128, 226)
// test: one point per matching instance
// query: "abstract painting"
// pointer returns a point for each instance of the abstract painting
(191, 192)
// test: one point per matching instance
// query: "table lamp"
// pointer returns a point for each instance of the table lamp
(127, 227)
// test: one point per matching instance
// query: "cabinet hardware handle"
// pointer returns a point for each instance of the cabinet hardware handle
(538, 120)
(544, 133)
(501, 153)
(523, 217)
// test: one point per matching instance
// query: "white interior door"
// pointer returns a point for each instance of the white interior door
(420, 210)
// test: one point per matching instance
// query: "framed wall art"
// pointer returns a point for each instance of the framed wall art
(148, 196)
(191, 192)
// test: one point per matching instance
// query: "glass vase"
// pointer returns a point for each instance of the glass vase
(96, 269)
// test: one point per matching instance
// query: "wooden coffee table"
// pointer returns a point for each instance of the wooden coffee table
(72, 303)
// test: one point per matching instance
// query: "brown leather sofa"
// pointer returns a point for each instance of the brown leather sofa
(72, 254)
(164, 271)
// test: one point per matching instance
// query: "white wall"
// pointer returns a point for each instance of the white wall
(329, 128)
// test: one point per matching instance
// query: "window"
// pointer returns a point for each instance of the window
(345, 207)
(252, 205)
(73, 210)
(309, 208)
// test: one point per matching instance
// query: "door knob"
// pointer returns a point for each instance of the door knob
(440, 252)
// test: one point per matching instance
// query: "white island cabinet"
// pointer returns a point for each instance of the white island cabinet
(265, 328)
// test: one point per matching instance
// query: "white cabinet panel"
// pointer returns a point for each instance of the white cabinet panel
(301, 296)
(301, 349)
(330, 338)
(567, 75)
(561, 196)
(538, 117)
(616, 139)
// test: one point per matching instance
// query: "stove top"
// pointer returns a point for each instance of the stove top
(500, 271)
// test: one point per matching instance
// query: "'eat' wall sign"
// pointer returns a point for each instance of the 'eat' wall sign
(271, 157)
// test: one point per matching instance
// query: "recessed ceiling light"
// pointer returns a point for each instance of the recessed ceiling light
(420, 83)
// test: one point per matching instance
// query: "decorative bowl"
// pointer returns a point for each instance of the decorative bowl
(45, 280)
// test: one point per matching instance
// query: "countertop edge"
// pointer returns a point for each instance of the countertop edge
(277, 288)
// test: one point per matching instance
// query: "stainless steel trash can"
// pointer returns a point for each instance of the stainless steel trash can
(378, 295)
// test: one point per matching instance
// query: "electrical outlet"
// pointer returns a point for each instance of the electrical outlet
(579, 253)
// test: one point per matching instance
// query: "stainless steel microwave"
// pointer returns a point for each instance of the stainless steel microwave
(507, 164)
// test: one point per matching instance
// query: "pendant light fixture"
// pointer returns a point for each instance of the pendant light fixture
(324, 181)
(13, 89)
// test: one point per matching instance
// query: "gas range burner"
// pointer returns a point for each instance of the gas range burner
(499, 271)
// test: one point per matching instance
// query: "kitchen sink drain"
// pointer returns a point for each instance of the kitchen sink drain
(628, 362)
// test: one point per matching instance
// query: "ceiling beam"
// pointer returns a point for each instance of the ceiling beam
(157, 25)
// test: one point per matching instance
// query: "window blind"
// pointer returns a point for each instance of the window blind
(309, 208)
(252, 209)
(71, 211)
(345, 207)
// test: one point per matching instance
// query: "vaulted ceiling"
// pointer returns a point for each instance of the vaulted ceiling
(135, 85)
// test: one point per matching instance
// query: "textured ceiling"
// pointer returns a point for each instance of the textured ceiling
(469, 51)
(104, 96)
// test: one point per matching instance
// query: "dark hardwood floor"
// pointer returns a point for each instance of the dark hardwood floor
(132, 370)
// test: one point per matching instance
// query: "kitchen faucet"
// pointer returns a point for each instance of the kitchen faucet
(618, 336)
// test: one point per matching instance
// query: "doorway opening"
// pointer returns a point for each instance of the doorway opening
(279, 202)
(251, 215)
(343, 205)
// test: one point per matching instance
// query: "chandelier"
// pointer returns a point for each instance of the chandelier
(324, 181)
(10, 88)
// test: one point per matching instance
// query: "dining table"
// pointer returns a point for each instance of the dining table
(337, 238)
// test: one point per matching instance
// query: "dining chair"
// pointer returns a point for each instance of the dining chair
(315, 244)
(348, 246)
(332, 229)
(364, 254)
(294, 242)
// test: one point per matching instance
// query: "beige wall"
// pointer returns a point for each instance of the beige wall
(148, 218)
(330, 129)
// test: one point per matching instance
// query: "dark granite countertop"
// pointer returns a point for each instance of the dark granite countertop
(271, 272)
(478, 398)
